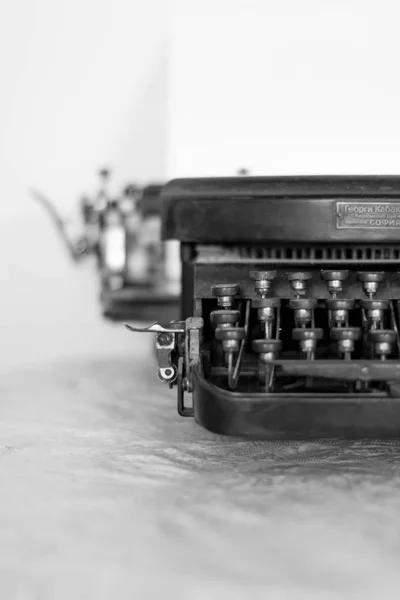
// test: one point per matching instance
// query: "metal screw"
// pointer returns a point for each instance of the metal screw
(164, 339)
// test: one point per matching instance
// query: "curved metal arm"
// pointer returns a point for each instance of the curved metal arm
(76, 250)
(166, 343)
(153, 328)
(235, 376)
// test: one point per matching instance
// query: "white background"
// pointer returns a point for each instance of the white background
(282, 86)
(82, 83)
(279, 87)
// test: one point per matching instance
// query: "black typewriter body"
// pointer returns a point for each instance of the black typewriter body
(290, 305)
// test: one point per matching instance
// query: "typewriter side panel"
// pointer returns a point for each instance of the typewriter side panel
(292, 220)
(270, 209)
(292, 417)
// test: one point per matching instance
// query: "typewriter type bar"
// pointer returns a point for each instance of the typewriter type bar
(290, 305)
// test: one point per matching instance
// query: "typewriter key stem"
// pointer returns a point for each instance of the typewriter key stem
(266, 313)
(307, 339)
(230, 339)
(229, 363)
(268, 351)
(236, 370)
(266, 317)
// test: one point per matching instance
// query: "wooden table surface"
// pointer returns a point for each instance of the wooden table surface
(107, 494)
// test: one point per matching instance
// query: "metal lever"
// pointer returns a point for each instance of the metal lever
(153, 328)
(236, 370)
(78, 249)
(184, 338)
(165, 345)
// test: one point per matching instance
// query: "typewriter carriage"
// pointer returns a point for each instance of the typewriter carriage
(287, 330)
(144, 288)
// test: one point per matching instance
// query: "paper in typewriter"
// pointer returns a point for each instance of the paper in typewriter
(107, 493)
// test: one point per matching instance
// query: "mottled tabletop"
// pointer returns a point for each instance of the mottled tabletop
(107, 493)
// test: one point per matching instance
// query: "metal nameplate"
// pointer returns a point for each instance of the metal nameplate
(368, 215)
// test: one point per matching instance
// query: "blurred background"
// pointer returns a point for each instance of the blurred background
(104, 487)
(160, 89)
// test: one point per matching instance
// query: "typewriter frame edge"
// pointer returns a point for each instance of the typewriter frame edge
(258, 416)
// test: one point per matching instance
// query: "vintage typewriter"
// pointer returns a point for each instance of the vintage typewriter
(139, 277)
(290, 305)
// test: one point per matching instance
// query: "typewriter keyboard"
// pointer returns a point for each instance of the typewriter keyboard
(268, 333)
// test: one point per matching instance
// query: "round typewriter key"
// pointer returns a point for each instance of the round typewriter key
(308, 334)
(262, 275)
(224, 318)
(298, 282)
(383, 340)
(346, 336)
(303, 308)
(230, 338)
(262, 281)
(308, 339)
(377, 276)
(266, 302)
(303, 303)
(298, 276)
(382, 336)
(375, 310)
(374, 304)
(266, 346)
(339, 308)
(346, 333)
(225, 293)
(233, 333)
(334, 275)
(370, 281)
(335, 280)
(340, 304)
(221, 289)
